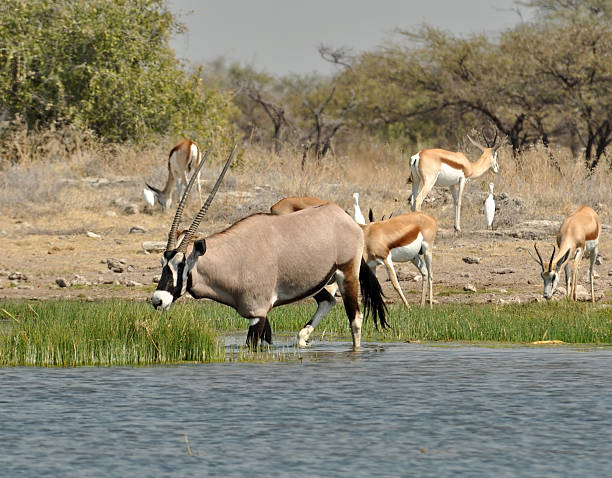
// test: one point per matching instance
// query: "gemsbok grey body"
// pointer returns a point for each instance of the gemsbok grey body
(401, 238)
(267, 260)
(579, 235)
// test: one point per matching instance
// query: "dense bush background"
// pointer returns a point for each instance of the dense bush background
(102, 66)
(106, 68)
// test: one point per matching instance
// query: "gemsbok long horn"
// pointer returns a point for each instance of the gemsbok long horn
(181, 205)
(182, 247)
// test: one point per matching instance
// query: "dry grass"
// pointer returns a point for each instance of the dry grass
(56, 174)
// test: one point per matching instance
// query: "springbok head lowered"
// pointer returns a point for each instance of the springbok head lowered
(164, 196)
(175, 263)
(550, 275)
(490, 152)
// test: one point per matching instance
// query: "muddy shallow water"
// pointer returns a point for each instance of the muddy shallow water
(389, 410)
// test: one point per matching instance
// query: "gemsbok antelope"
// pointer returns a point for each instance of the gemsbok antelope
(578, 236)
(439, 167)
(183, 159)
(267, 260)
(403, 238)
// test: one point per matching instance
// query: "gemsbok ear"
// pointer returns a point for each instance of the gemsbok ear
(200, 246)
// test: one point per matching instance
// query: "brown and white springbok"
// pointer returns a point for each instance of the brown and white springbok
(439, 167)
(183, 159)
(267, 260)
(579, 235)
(403, 238)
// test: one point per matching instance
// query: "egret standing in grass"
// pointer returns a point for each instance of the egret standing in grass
(489, 207)
(358, 216)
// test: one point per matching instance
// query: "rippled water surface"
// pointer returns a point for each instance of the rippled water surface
(390, 410)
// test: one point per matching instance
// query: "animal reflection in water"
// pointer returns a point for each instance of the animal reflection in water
(267, 260)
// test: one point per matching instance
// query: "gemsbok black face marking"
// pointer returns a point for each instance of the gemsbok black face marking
(172, 283)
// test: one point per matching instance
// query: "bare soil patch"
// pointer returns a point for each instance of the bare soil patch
(38, 253)
(80, 221)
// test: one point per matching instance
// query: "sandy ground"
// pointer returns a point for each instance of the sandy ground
(36, 252)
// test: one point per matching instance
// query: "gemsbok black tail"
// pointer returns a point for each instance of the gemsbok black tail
(372, 296)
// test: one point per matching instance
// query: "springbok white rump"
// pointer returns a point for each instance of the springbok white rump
(267, 260)
(439, 167)
(184, 158)
(579, 235)
(402, 238)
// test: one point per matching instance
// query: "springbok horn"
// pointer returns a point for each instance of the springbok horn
(181, 205)
(490, 144)
(475, 143)
(155, 190)
(196, 221)
(551, 258)
(541, 262)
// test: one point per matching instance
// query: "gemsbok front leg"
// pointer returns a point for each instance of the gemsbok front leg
(259, 331)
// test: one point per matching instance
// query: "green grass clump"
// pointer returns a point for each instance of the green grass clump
(71, 333)
(571, 322)
(576, 323)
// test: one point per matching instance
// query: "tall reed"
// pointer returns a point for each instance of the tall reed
(65, 333)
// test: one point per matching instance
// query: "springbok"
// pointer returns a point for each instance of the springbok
(402, 238)
(184, 158)
(439, 167)
(578, 235)
(267, 260)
